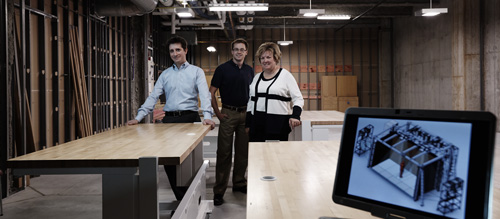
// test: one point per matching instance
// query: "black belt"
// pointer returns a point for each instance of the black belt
(234, 108)
(179, 113)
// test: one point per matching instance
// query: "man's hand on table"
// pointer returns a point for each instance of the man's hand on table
(209, 122)
(132, 122)
(205, 122)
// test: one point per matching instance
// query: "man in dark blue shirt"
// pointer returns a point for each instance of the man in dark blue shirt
(233, 79)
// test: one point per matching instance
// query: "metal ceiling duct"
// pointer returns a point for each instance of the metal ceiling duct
(124, 7)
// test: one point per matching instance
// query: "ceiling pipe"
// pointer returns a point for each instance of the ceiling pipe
(173, 24)
(198, 10)
(114, 8)
(189, 22)
(231, 20)
(212, 28)
(216, 19)
(361, 15)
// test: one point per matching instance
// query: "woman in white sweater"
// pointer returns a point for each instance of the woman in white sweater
(275, 102)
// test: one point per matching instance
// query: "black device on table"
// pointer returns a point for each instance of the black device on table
(402, 163)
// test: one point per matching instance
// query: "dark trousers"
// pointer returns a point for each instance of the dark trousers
(268, 127)
(171, 170)
(234, 124)
(262, 137)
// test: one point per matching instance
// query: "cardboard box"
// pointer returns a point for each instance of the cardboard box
(346, 102)
(329, 103)
(347, 86)
(329, 86)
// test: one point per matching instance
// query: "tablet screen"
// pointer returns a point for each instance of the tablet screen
(421, 165)
(416, 163)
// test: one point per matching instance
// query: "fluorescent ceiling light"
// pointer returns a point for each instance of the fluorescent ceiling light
(238, 7)
(211, 49)
(334, 17)
(311, 12)
(284, 42)
(244, 27)
(184, 12)
(431, 11)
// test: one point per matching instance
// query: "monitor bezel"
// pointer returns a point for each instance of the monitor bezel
(481, 158)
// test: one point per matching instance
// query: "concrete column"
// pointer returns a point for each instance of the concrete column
(492, 57)
(466, 80)
(137, 78)
(386, 84)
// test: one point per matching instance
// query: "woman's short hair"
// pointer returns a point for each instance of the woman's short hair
(272, 47)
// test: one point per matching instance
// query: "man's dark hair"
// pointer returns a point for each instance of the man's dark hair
(177, 39)
(239, 40)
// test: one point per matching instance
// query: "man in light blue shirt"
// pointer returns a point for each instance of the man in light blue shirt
(181, 84)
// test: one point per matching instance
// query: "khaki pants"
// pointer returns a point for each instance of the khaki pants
(235, 124)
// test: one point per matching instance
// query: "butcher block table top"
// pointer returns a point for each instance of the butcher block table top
(120, 147)
(324, 117)
(305, 173)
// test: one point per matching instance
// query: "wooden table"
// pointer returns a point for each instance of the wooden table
(305, 173)
(128, 158)
(315, 125)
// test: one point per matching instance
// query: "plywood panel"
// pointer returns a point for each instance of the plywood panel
(347, 86)
(346, 102)
(329, 86)
(329, 103)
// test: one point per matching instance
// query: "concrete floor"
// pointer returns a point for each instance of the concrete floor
(79, 196)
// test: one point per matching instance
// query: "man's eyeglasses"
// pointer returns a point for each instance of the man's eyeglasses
(241, 50)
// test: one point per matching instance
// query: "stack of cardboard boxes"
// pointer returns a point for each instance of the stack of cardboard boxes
(339, 92)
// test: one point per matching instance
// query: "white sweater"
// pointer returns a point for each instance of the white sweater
(278, 91)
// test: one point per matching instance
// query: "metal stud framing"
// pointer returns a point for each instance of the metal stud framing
(4, 95)
(41, 77)
(46, 102)
(55, 74)
(68, 97)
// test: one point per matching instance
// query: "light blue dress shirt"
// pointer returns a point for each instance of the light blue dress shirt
(181, 87)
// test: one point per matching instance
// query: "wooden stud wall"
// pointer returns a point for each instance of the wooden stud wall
(314, 53)
(60, 41)
(109, 43)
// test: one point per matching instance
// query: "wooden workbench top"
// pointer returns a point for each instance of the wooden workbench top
(121, 147)
(305, 173)
(324, 117)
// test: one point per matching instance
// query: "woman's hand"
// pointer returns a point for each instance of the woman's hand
(294, 123)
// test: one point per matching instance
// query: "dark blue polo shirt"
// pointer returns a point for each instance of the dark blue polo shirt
(233, 83)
